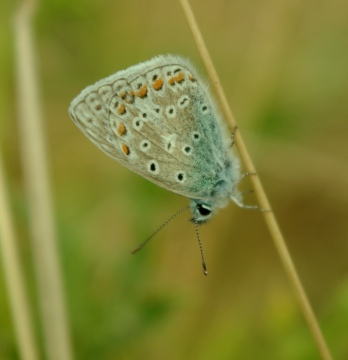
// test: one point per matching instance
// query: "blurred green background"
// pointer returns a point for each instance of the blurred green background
(284, 67)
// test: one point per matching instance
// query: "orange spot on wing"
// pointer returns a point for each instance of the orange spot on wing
(123, 95)
(121, 110)
(125, 149)
(157, 85)
(171, 81)
(191, 77)
(131, 92)
(142, 92)
(180, 77)
(121, 130)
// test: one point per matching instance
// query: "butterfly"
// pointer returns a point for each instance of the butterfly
(159, 120)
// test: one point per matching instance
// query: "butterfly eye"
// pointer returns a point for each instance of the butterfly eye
(203, 210)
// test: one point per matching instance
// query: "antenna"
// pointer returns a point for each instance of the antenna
(160, 228)
(201, 250)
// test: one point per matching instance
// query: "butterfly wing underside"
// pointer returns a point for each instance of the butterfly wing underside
(156, 119)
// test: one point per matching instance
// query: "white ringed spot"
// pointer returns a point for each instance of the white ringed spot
(187, 149)
(145, 145)
(180, 176)
(137, 123)
(153, 167)
(183, 101)
(171, 111)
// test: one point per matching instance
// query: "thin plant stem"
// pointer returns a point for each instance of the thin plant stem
(18, 298)
(52, 306)
(269, 217)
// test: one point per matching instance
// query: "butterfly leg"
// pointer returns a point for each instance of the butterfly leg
(243, 206)
(232, 135)
(247, 174)
(239, 203)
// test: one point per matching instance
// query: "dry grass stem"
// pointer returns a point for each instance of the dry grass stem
(260, 194)
(55, 328)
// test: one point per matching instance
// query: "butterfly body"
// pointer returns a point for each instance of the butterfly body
(157, 118)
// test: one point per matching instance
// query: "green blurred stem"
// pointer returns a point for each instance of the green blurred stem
(33, 147)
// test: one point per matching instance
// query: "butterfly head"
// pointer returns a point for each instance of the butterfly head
(204, 209)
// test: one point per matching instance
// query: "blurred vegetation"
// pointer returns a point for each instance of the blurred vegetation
(284, 67)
